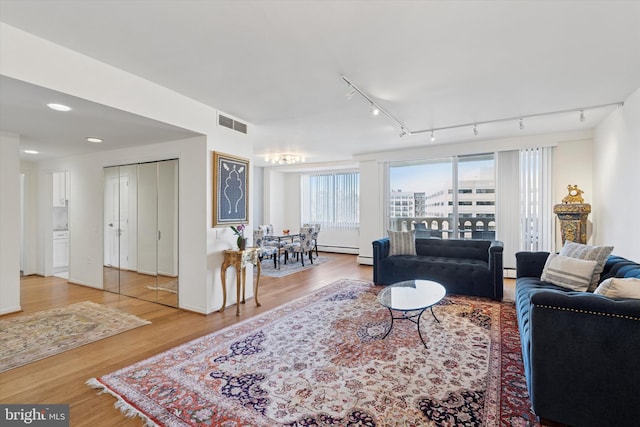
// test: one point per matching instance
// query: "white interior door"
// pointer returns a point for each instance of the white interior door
(116, 221)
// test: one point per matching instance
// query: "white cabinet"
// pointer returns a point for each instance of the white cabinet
(60, 249)
(60, 188)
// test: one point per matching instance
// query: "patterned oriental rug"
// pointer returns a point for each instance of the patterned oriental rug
(321, 361)
(30, 337)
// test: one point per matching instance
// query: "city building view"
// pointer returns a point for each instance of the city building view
(432, 212)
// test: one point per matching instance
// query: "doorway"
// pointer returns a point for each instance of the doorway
(141, 231)
(60, 222)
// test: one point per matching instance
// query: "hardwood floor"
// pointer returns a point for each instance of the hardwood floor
(61, 378)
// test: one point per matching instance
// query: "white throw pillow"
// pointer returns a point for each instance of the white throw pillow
(617, 287)
(402, 243)
(590, 253)
(571, 273)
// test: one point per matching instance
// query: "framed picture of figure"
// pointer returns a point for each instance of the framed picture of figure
(230, 190)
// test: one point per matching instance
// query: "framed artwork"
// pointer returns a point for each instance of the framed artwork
(230, 190)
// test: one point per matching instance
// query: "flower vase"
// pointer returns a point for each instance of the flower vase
(242, 243)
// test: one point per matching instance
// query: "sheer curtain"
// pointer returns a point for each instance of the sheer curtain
(524, 210)
(331, 199)
(536, 206)
(507, 196)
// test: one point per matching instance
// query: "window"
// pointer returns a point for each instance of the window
(331, 199)
(455, 188)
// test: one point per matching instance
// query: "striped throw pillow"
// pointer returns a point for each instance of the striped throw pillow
(571, 273)
(401, 243)
(589, 253)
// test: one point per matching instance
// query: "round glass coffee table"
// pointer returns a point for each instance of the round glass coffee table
(412, 298)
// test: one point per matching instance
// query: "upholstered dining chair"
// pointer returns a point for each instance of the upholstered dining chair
(266, 248)
(316, 231)
(303, 245)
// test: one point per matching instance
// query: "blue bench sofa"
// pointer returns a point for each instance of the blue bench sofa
(467, 267)
(581, 351)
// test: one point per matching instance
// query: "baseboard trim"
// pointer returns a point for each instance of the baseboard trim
(365, 260)
(10, 310)
(87, 284)
(509, 273)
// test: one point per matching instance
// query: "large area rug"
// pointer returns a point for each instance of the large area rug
(292, 266)
(321, 361)
(30, 337)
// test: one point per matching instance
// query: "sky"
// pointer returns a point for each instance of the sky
(430, 177)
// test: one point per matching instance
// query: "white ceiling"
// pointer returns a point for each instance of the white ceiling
(278, 64)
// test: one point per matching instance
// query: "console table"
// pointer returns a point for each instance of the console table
(239, 259)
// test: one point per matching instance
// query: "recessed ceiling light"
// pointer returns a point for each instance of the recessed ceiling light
(94, 139)
(59, 107)
(31, 151)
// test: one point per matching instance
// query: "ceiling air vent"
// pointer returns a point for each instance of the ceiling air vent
(228, 122)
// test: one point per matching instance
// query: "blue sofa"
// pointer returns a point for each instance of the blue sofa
(581, 351)
(467, 267)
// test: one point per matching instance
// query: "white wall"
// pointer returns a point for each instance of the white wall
(573, 165)
(30, 217)
(275, 201)
(372, 191)
(616, 172)
(257, 194)
(9, 223)
(34, 60)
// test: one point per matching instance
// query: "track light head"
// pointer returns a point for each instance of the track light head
(582, 115)
(374, 110)
(351, 92)
(475, 130)
(433, 138)
(402, 132)
(521, 123)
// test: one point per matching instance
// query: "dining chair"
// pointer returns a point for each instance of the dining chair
(266, 248)
(303, 245)
(316, 231)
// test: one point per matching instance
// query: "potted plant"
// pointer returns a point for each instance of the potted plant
(241, 240)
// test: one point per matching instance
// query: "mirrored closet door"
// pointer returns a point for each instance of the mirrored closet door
(141, 231)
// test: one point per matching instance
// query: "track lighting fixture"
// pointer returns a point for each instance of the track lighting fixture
(375, 110)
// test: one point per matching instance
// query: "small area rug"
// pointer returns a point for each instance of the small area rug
(30, 337)
(321, 361)
(292, 266)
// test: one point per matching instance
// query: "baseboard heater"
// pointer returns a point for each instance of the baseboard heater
(339, 249)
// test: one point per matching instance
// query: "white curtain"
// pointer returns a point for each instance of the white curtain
(331, 199)
(536, 209)
(507, 198)
(524, 209)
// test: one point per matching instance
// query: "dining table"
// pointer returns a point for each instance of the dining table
(282, 240)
